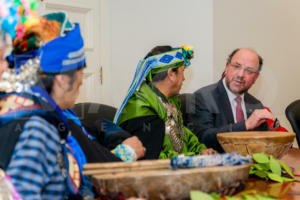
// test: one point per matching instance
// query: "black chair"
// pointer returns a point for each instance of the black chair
(187, 106)
(88, 112)
(292, 113)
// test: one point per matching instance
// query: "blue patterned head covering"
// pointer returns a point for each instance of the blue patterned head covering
(170, 59)
(156, 64)
(64, 53)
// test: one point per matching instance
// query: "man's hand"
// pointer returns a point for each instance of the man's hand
(258, 117)
(137, 145)
(209, 151)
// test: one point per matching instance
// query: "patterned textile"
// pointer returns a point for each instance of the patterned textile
(13, 106)
(73, 169)
(34, 162)
(14, 103)
(125, 153)
(225, 159)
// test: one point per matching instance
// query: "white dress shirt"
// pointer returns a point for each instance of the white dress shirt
(233, 103)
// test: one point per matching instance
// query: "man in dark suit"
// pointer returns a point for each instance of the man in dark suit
(226, 106)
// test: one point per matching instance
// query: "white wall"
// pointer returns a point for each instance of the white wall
(215, 28)
(272, 27)
(136, 26)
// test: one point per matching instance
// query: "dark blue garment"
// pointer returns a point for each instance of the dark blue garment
(33, 166)
(52, 114)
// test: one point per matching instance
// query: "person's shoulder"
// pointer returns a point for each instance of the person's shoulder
(251, 99)
(206, 89)
(137, 107)
(36, 125)
(36, 121)
(143, 99)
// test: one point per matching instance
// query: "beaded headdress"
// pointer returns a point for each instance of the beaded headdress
(15, 15)
(48, 58)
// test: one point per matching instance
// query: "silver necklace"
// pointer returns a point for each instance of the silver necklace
(18, 80)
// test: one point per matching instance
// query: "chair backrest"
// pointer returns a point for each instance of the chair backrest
(292, 113)
(187, 106)
(88, 112)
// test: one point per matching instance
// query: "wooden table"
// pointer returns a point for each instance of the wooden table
(286, 190)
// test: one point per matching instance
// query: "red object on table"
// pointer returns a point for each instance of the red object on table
(275, 125)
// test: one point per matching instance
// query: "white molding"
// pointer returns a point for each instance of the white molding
(69, 7)
(75, 4)
(83, 9)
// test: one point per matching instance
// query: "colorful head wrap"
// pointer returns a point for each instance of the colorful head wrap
(45, 39)
(15, 15)
(57, 47)
(156, 64)
(49, 27)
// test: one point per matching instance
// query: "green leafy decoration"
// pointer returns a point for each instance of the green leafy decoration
(260, 197)
(267, 167)
(285, 179)
(286, 168)
(261, 174)
(260, 158)
(275, 166)
(215, 196)
(246, 195)
(198, 195)
(262, 166)
(275, 177)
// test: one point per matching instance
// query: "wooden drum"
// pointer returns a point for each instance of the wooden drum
(247, 143)
(155, 180)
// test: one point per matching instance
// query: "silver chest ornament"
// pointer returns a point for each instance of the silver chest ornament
(173, 128)
(18, 80)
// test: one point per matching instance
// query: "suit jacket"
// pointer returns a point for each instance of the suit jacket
(213, 114)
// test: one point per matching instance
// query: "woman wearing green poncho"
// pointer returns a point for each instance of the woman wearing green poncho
(151, 109)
